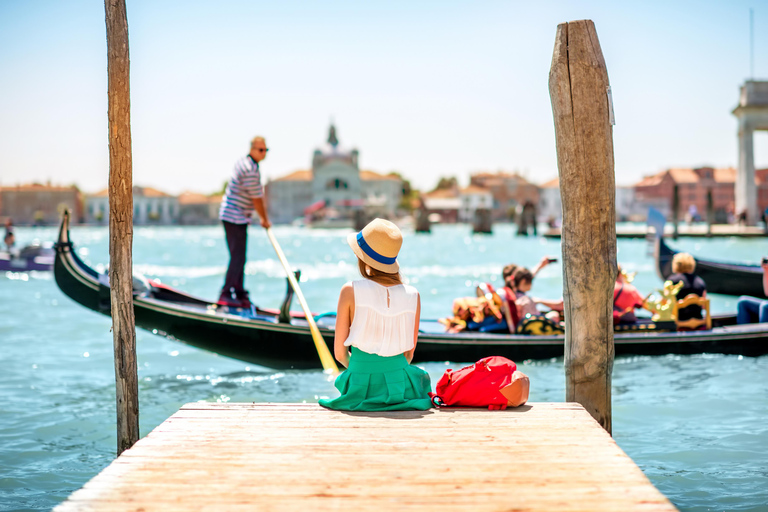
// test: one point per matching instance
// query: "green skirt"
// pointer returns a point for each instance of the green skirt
(376, 383)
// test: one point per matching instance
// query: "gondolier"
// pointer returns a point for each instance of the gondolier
(243, 196)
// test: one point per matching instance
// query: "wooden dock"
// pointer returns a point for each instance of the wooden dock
(245, 457)
(684, 230)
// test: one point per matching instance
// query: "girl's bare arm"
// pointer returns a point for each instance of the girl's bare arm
(409, 354)
(344, 315)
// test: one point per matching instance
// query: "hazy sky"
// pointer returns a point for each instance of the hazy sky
(425, 88)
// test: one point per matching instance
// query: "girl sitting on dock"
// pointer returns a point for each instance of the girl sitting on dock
(377, 325)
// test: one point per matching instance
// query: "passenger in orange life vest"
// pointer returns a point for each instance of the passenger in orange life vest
(625, 299)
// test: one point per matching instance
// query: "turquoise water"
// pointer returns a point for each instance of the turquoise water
(696, 425)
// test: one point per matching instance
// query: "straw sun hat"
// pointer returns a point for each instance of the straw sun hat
(377, 245)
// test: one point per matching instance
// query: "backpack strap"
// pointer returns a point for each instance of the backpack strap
(615, 298)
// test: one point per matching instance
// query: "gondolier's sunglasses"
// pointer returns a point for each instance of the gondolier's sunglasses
(262, 150)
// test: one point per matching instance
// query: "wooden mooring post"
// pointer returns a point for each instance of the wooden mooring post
(710, 212)
(675, 211)
(482, 222)
(582, 109)
(121, 226)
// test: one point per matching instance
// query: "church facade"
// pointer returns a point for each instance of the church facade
(334, 186)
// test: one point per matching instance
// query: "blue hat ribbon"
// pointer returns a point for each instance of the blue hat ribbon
(373, 254)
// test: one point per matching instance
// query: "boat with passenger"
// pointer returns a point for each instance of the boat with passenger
(278, 338)
(727, 278)
(34, 257)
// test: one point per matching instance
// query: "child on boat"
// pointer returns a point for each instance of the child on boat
(377, 325)
(523, 279)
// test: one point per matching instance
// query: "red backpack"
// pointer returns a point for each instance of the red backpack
(492, 382)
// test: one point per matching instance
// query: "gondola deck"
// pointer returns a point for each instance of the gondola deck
(258, 336)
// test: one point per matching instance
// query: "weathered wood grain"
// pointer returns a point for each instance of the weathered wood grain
(121, 225)
(578, 88)
(231, 457)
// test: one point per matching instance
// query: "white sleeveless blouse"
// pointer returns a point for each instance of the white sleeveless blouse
(382, 327)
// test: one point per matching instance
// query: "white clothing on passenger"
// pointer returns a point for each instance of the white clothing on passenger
(385, 318)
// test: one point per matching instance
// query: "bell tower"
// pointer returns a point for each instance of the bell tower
(752, 113)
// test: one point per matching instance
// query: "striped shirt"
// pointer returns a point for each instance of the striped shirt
(242, 189)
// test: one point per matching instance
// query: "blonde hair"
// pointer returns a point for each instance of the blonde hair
(258, 138)
(683, 263)
(377, 276)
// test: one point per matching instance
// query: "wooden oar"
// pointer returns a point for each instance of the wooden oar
(329, 365)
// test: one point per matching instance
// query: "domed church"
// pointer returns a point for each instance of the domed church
(335, 184)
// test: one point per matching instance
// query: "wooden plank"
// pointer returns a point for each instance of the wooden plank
(234, 457)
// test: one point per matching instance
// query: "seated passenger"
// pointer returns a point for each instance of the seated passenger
(683, 267)
(751, 309)
(626, 299)
(523, 279)
(508, 295)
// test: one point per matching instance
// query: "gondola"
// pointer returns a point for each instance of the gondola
(721, 277)
(277, 339)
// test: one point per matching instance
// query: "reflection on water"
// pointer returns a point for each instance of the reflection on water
(696, 425)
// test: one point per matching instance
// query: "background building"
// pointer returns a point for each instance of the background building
(38, 204)
(198, 209)
(442, 205)
(474, 198)
(335, 182)
(693, 186)
(150, 206)
(507, 190)
(550, 207)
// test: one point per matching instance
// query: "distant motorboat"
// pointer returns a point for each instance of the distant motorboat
(38, 257)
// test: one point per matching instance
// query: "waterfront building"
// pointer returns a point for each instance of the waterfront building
(335, 182)
(382, 192)
(473, 198)
(442, 205)
(508, 190)
(693, 186)
(198, 209)
(626, 207)
(150, 206)
(38, 204)
(289, 196)
(551, 209)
